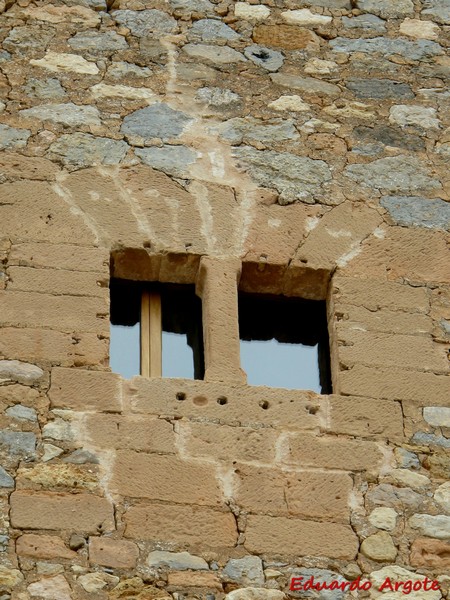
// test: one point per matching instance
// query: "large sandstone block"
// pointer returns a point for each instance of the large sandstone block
(394, 383)
(63, 313)
(382, 320)
(145, 434)
(188, 525)
(58, 282)
(45, 547)
(280, 535)
(78, 389)
(305, 494)
(60, 256)
(46, 510)
(119, 554)
(166, 478)
(328, 452)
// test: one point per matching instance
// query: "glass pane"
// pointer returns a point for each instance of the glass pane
(177, 357)
(124, 350)
(292, 366)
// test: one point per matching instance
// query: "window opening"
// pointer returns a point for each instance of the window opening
(156, 330)
(284, 342)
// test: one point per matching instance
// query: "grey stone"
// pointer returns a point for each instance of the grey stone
(327, 3)
(81, 457)
(198, 6)
(438, 10)
(211, 30)
(124, 69)
(45, 89)
(268, 59)
(18, 443)
(84, 150)
(417, 50)
(67, 114)
(156, 121)
(402, 499)
(406, 459)
(6, 481)
(418, 212)
(12, 138)
(370, 22)
(437, 416)
(4, 542)
(28, 39)
(173, 160)
(177, 561)
(144, 22)
(95, 4)
(21, 412)
(247, 570)
(294, 177)
(22, 372)
(95, 42)
(58, 430)
(379, 88)
(387, 8)
(4, 56)
(194, 72)
(309, 85)
(215, 54)
(394, 174)
(240, 130)
(435, 526)
(76, 542)
(389, 136)
(430, 439)
(217, 97)
(320, 576)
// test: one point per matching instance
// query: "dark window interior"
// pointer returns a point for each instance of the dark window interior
(182, 343)
(284, 342)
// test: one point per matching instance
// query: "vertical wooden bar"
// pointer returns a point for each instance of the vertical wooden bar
(151, 335)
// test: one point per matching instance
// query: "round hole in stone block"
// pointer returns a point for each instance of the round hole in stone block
(222, 400)
(200, 400)
(180, 396)
(264, 404)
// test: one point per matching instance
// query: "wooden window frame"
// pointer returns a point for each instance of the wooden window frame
(151, 335)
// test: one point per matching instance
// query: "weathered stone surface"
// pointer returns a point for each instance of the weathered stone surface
(199, 6)
(12, 138)
(51, 451)
(387, 9)
(210, 30)
(361, 417)
(406, 478)
(418, 212)
(10, 578)
(421, 116)
(397, 574)
(430, 554)
(56, 476)
(59, 429)
(45, 90)
(271, 60)
(156, 121)
(418, 29)
(23, 42)
(247, 570)
(118, 554)
(389, 136)
(287, 37)
(101, 90)
(291, 103)
(379, 88)
(81, 457)
(24, 413)
(438, 10)
(50, 510)
(308, 85)
(86, 150)
(195, 579)
(305, 17)
(181, 524)
(294, 177)
(394, 174)
(401, 499)
(320, 576)
(14, 370)
(6, 481)
(251, 12)
(18, 443)
(370, 22)
(72, 63)
(238, 131)
(96, 43)
(442, 496)
(251, 593)
(432, 440)
(177, 561)
(143, 22)
(432, 526)
(406, 459)
(173, 160)
(437, 416)
(68, 114)
(94, 582)
(51, 588)
(45, 547)
(121, 69)
(84, 390)
(383, 518)
(419, 50)
(379, 547)
(217, 97)
(221, 55)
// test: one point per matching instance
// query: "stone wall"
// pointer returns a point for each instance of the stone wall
(300, 147)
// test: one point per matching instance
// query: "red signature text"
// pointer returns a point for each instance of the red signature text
(406, 587)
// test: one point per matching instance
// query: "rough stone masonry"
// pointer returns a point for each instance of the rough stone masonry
(300, 147)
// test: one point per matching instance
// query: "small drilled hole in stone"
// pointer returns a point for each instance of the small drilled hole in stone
(312, 410)
(181, 396)
(222, 400)
(147, 244)
(200, 400)
(264, 404)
